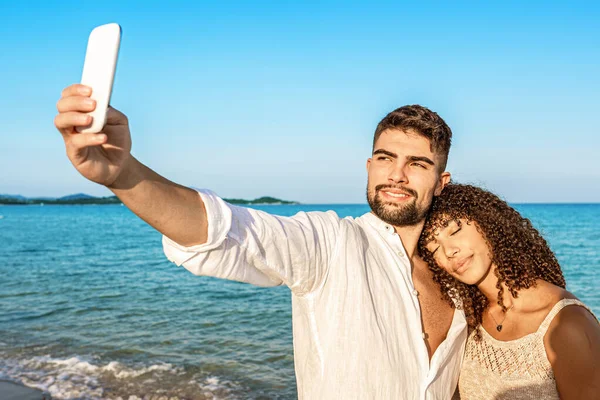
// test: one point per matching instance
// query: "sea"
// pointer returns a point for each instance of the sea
(90, 308)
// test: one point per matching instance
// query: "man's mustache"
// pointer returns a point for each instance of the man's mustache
(412, 192)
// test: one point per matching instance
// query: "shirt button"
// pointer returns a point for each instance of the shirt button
(415, 292)
(425, 336)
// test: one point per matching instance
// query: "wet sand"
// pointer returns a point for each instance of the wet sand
(14, 391)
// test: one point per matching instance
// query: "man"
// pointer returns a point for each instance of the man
(368, 320)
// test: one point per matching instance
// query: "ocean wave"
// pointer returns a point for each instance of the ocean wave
(42, 314)
(19, 294)
(85, 378)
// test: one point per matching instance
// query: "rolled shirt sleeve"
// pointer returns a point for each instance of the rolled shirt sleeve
(256, 247)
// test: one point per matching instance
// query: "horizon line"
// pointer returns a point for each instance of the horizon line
(294, 201)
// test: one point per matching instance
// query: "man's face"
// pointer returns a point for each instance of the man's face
(403, 177)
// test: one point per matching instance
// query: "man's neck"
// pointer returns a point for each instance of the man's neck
(410, 237)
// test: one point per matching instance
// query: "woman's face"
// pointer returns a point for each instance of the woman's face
(461, 250)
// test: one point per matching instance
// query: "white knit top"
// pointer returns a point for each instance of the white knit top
(517, 369)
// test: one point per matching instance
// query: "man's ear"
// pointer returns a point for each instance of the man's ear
(369, 163)
(442, 182)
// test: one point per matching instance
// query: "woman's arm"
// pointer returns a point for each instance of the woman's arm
(573, 348)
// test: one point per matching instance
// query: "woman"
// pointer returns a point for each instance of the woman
(530, 338)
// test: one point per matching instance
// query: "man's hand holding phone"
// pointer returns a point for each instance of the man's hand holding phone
(97, 137)
(99, 157)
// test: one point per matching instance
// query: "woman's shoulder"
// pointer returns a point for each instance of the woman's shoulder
(572, 344)
(538, 301)
(572, 317)
(554, 292)
(547, 306)
(555, 301)
(571, 327)
(571, 314)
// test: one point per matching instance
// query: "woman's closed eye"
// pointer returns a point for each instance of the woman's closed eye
(432, 251)
(456, 231)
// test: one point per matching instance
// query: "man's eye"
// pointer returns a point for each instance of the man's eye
(383, 158)
(419, 165)
(456, 231)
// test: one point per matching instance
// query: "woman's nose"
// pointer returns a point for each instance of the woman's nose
(451, 250)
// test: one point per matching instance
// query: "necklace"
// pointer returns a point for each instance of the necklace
(499, 325)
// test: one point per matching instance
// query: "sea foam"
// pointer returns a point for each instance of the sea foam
(85, 378)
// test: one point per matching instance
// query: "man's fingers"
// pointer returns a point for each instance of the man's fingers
(75, 103)
(77, 89)
(79, 142)
(67, 121)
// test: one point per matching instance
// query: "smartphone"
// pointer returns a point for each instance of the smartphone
(99, 71)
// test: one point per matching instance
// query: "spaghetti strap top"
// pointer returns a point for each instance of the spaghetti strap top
(555, 310)
(517, 369)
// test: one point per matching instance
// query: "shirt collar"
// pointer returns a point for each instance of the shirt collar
(377, 223)
(386, 230)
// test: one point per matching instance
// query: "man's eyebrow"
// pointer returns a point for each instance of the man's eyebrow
(387, 153)
(421, 158)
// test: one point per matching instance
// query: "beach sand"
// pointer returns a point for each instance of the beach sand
(13, 391)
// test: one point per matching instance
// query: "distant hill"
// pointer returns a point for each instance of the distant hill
(260, 200)
(78, 196)
(12, 196)
(82, 198)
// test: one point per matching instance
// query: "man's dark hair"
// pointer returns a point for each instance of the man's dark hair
(422, 121)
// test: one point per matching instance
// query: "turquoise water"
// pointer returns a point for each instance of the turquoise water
(91, 308)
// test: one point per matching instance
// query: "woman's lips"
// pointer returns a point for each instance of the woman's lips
(462, 265)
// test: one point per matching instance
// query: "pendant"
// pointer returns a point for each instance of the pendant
(499, 328)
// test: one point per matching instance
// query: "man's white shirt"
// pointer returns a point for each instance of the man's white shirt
(355, 313)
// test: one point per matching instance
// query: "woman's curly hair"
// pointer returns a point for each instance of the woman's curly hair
(518, 250)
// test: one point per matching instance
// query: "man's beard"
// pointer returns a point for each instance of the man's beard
(395, 214)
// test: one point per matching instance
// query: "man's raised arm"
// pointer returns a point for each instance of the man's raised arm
(105, 158)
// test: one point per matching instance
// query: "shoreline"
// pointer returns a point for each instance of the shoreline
(16, 391)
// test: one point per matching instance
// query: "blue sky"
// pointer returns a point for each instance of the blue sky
(282, 98)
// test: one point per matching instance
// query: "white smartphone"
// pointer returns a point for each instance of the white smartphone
(99, 71)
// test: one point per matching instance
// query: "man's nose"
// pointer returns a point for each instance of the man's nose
(398, 175)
